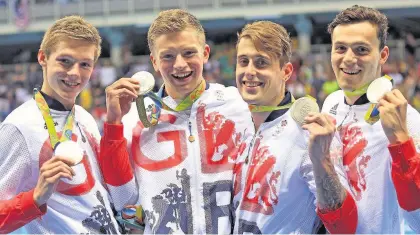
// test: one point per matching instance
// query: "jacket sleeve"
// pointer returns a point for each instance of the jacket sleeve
(116, 168)
(16, 208)
(406, 174)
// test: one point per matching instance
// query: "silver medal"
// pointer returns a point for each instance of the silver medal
(302, 107)
(146, 80)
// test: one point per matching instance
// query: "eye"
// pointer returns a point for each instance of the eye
(86, 65)
(340, 49)
(243, 61)
(64, 61)
(261, 63)
(189, 53)
(362, 50)
(168, 56)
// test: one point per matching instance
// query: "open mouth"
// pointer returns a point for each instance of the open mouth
(182, 76)
(70, 84)
(351, 72)
(252, 84)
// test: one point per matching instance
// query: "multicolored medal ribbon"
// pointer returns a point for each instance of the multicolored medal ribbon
(155, 108)
(260, 108)
(376, 90)
(46, 114)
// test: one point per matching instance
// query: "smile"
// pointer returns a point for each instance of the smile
(252, 84)
(351, 72)
(71, 84)
(182, 75)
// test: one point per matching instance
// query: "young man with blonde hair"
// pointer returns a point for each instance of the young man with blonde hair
(42, 191)
(184, 164)
(277, 185)
(376, 152)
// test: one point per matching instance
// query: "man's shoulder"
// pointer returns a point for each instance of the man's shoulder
(23, 114)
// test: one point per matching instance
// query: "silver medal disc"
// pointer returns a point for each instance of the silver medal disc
(70, 150)
(146, 80)
(378, 88)
(302, 107)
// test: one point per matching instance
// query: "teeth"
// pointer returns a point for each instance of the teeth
(182, 75)
(351, 71)
(71, 83)
(252, 84)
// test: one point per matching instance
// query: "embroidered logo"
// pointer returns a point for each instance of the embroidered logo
(333, 110)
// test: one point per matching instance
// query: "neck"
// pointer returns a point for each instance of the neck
(180, 95)
(66, 103)
(260, 117)
(352, 100)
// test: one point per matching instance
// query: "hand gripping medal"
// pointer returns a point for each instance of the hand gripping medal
(147, 82)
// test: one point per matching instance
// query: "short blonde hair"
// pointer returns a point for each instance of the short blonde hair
(74, 27)
(270, 38)
(172, 21)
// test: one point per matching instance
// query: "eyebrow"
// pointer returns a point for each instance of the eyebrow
(84, 59)
(354, 43)
(257, 55)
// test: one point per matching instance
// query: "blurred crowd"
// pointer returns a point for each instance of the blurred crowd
(312, 75)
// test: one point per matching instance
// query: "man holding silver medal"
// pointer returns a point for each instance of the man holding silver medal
(275, 187)
(378, 161)
(50, 181)
(183, 153)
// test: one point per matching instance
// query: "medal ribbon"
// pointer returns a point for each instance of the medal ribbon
(159, 104)
(260, 108)
(372, 114)
(46, 114)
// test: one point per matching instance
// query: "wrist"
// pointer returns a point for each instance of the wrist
(113, 120)
(37, 199)
(398, 137)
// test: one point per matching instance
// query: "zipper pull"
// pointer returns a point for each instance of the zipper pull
(191, 137)
(81, 133)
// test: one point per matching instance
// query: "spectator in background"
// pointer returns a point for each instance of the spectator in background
(107, 73)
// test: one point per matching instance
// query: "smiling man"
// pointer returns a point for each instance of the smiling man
(277, 188)
(184, 164)
(378, 159)
(41, 191)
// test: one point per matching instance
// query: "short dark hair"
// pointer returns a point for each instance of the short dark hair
(357, 14)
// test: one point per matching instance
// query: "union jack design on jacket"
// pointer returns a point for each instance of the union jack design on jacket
(274, 183)
(81, 205)
(385, 186)
(183, 186)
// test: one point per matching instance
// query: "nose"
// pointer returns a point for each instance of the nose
(349, 57)
(180, 63)
(250, 71)
(74, 71)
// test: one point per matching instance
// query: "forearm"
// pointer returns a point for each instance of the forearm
(19, 211)
(336, 207)
(330, 192)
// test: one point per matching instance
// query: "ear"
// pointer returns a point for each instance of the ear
(42, 58)
(384, 55)
(206, 53)
(288, 70)
(154, 62)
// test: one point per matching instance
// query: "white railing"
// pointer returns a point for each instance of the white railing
(129, 12)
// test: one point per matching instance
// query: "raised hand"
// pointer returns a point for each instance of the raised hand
(119, 97)
(392, 109)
